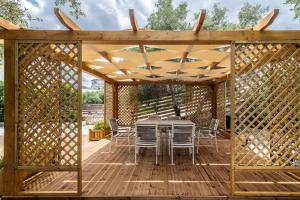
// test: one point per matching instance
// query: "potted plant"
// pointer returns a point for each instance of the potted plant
(98, 132)
(1, 175)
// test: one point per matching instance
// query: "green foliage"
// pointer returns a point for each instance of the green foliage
(93, 97)
(1, 54)
(1, 163)
(99, 125)
(216, 19)
(167, 17)
(296, 7)
(13, 11)
(75, 6)
(249, 14)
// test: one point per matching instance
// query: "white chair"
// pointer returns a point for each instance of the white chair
(146, 136)
(182, 136)
(117, 133)
(209, 132)
(154, 117)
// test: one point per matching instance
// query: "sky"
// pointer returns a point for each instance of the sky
(113, 14)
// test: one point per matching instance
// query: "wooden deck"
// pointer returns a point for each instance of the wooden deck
(115, 174)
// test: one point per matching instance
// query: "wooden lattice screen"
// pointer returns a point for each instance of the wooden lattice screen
(199, 104)
(127, 104)
(266, 89)
(108, 103)
(49, 106)
(195, 103)
(221, 104)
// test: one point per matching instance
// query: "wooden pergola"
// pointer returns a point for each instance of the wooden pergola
(43, 70)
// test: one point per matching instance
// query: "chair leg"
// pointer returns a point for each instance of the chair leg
(128, 144)
(156, 153)
(198, 144)
(172, 155)
(135, 148)
(193, 156)
(111, 141)
(216, 143)
(169, 146)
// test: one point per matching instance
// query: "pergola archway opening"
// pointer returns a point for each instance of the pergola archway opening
(262, 67)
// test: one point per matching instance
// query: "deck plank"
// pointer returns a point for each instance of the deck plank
(116, 175)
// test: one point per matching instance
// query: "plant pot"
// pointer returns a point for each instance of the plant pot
(1, 182)
(95, 135)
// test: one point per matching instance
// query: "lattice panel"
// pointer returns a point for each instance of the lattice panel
(49, 105)
(108, 102)
(221, 104)
(127, 104)
(199, 104)
(267, 105)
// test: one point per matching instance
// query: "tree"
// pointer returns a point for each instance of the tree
(296, 7)
(249, 14)
(166, 17)
(13, 11)
(216, 19)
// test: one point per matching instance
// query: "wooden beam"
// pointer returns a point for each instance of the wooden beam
(200, 21)
(94, 72)
(133, 20)
(266, 21)
(152, 37)
(171, 81)
(65, 20)
(7, 25)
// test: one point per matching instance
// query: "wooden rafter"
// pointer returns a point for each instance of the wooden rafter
(65, 20)
(135, 28)
(212, 65)
(200, 21)
(88, 69)
(7, 25)
(196, 30)
(266, 21)
(108, 57)
(133, 20)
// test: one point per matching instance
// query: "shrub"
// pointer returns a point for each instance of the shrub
(93, 97)
(99, 125)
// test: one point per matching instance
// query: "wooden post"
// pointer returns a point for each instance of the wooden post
(115, 100)
(214, 101)
(10, 117)
(232, 120)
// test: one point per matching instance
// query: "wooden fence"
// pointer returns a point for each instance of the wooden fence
(195, 103)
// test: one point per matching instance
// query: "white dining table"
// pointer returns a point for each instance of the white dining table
(164, 122)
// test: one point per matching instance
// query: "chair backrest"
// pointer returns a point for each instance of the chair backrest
(214, 124)
(183, 134)
(174, 118)
(113, 124)
(146, 132)
(154, 117)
